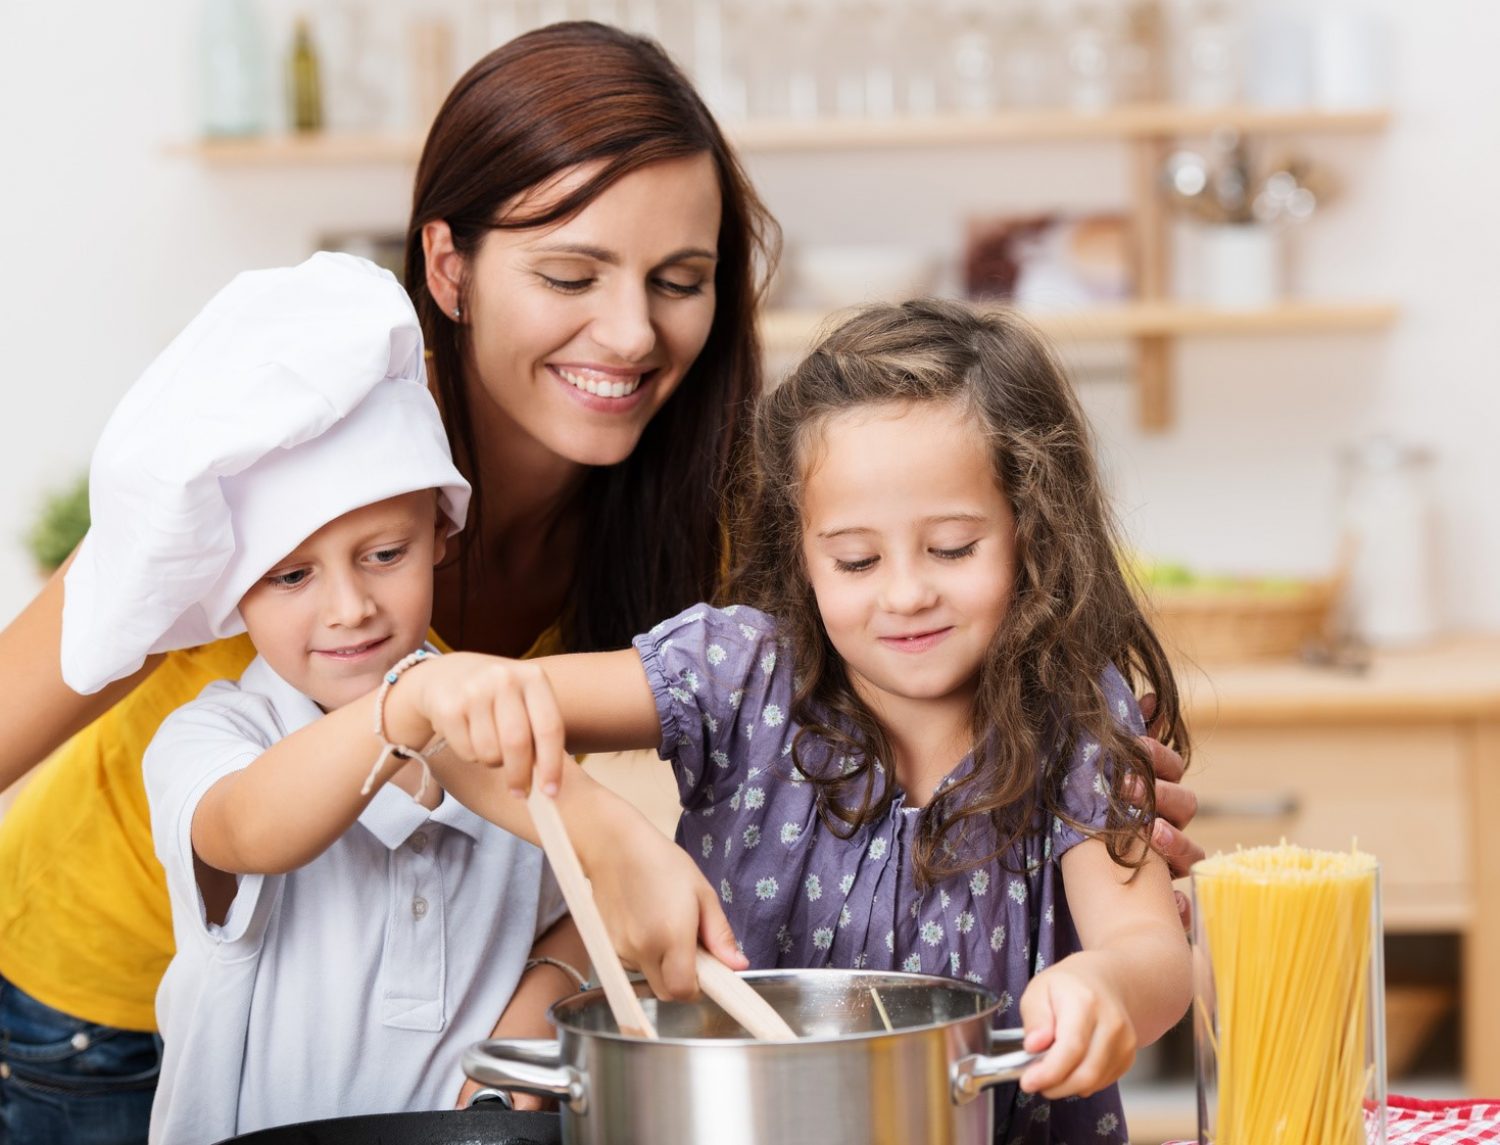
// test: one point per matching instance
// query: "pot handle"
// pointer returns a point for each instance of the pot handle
(972, 1074)
(532, 1065)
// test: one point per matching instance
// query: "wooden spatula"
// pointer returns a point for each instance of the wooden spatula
(630, 1016)
(719, 982)
(740, 1001)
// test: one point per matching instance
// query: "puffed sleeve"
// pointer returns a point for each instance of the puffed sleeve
(1086, 785)
(723, 688)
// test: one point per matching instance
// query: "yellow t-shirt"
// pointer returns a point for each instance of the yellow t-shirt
(84, 921)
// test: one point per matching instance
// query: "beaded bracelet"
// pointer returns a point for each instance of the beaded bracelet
(387, 748)
(571, 971)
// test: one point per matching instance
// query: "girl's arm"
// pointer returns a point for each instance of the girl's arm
(37, 709)
(525, 1015)
(299, 795)
(512, 715)
(1131, 982)
(289, 805)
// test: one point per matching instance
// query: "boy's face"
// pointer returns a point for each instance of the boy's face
(350, 600)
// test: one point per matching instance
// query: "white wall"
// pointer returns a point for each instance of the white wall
(112, 245)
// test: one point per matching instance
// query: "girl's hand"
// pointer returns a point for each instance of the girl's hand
(658, 907)
(1071, 1011)
(495, 712)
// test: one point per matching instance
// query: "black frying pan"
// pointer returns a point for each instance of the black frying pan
(487, 1123)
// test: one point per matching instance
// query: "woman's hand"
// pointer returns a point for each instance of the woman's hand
(498, 713)
(1175, 804)
(1071, 1011)
(657, 906)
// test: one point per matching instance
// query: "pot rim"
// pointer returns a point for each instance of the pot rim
(989, 1003)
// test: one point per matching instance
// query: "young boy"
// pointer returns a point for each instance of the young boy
(282, 470)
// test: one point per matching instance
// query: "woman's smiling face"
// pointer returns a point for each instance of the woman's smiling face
(582, 330)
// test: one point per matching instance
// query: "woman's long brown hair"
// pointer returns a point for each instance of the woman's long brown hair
(1072, 615)
(652, 539)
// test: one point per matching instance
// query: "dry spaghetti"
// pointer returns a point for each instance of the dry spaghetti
(1287, 934)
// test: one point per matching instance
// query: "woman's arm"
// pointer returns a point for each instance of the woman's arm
(1131, 982)
(525, 1015)
(37, 709)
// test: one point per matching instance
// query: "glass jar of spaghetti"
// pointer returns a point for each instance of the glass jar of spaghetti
(1288, 1010)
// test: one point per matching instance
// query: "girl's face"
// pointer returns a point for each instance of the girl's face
(583, 330)
(909, 545)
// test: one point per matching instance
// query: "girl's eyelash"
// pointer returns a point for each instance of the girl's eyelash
(680, 289)
(395, 553)
(955, 554)
(854, 566)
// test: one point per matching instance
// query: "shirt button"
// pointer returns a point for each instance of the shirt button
(80, 1041)
(419, 843)
(418, 906)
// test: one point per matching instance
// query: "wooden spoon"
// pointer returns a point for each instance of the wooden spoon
(740, 1000)
(629, 1014)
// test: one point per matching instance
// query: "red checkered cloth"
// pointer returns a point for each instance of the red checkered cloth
(1412, 1122)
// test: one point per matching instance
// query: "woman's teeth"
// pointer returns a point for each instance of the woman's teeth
(601, 385)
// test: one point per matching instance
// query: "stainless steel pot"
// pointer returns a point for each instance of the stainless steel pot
(847, 1079)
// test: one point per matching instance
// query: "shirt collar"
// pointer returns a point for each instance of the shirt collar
(294, 711)
(392, 816)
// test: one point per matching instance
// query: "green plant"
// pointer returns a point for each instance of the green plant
(60, 524)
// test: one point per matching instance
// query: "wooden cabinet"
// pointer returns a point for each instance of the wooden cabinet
(1405, 759)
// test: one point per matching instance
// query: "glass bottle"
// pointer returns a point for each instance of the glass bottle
(1028, 64)
(305, 89)
(1390, 530)
(232, 58)
(971, 59)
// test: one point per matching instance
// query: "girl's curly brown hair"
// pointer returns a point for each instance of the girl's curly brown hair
(1072, 615)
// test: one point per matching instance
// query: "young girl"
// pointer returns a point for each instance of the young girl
(913, 746)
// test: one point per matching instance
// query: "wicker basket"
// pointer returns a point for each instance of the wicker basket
(1209, 625)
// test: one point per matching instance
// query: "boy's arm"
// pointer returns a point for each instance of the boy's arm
(1131, 982)
(525, 1015)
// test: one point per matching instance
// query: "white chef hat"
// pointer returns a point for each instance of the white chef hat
(297, 395)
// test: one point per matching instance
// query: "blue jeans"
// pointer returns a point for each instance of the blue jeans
(64, 1081)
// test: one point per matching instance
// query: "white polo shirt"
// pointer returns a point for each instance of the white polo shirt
(351, 985)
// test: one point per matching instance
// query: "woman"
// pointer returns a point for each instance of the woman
(586, 256)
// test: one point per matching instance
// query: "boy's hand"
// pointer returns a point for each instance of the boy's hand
(657, 906)
(1074, 1014)
(495, 712)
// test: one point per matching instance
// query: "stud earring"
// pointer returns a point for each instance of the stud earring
(457, 312)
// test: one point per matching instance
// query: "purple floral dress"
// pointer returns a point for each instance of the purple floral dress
(799, 896)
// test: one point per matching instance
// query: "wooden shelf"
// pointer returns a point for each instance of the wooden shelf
(791, 331)
(1129, 122)
(316, 149)
(1148, 129)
